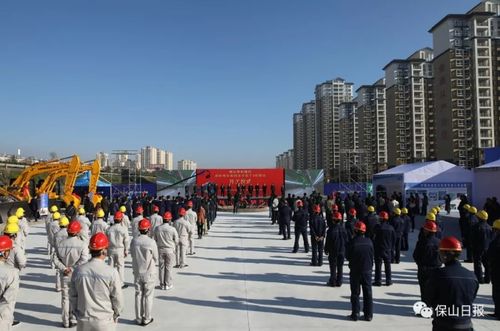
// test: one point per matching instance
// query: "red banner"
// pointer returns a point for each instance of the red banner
(231, 178)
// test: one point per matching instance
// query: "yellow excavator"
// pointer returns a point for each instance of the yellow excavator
(55, 169)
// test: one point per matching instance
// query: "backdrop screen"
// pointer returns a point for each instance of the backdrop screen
(243, 177)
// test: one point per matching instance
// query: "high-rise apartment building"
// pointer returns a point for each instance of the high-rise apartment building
(328, 97)
(186, 165)
(408, 104)
(309, 126)
(285, 160)
(298, 141)
(155, 158)
(372, 127)
(103, 159)
(467, 72)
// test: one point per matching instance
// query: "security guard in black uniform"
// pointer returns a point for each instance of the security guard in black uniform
(350, 221)
(300, 218)
(426, 255)
(452, 287)
(385, 239)
(360, 254)
(481, 238)
(405, 244)
(398, 225)
(371, 222)
(284, 219)
(469, 225)
(494, 261)
(335, 246)
(317, 228)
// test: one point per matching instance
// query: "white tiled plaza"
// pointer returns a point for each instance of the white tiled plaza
(243, 277)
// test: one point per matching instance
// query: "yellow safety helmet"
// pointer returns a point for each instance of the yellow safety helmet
(483, 215)
(100, 213)
(437, 208)
(473, 210)
(11, 228)
(397, 211)
(466, 206)
(496, 224)
(12, 220)
(371, 209)
(404, 211)
(54, 208)
(64, 221)
(56, 216)
(20, 212)
(123, 209)
(81, 211)
(434, 211)
(431, 217)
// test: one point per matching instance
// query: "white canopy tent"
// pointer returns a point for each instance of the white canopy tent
(486, 182)
(436, 178)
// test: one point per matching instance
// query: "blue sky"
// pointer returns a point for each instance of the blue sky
(216, 81)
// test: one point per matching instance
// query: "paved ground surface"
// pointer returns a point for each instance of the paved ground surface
(243, 277)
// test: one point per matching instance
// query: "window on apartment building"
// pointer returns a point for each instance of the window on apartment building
(460, 123)
(460, 73)
(458, 52)
(461, 153)
(461, 133)
(460, 82)
(460, 93)
(459, 63)
(460, 113)
(460, 102)
(461, 143)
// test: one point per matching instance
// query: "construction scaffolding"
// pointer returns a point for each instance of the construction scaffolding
(130, 173)
(354, 169)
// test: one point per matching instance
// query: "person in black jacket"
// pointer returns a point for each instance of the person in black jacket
(300, 218)
(398, 225)
(426, 255)
(360, 253)
(317, 228)
(452, 287)
(371, 222)
(494, 262)
(335, 246)
(385, 239)
(405, 244)
(284, 219)
(481, 238)
(350, 221)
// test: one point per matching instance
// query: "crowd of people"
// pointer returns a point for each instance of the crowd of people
(372, 232)
(88, 249)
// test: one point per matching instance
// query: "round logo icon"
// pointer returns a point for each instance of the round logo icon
(426, 312)
(418, 306)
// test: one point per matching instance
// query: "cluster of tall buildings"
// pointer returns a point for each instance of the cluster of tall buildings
(440, 103)
(148, 158)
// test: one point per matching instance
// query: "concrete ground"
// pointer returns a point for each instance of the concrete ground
(243, 277)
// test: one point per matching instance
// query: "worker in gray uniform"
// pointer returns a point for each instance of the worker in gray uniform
(96, 296)
(144, 258)
(156, 220)
(85, 224)
(166, 238)
(99, 225)
(139, 211)
(17, 256)
(62, 233)
(118, 246)
(184, 229)
(9, 285)
(192, 218)
(125, 221)
(70, 253)
(24, 228)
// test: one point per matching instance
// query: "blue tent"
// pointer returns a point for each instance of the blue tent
(84, 180)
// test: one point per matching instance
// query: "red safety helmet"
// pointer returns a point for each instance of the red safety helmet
(118, 216)
(353, 212)
(450, 244)
(317, 209)
(144, 224)
(74, 227)
(189, 203)
(335, 207)
(98, 241)
(5, 243)
(337, 216)
(360, 226)
(139, 210)
(156, 208)
(383, 215)
(167, 215)
(430, 226)
(182, 211)
(300, 203)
